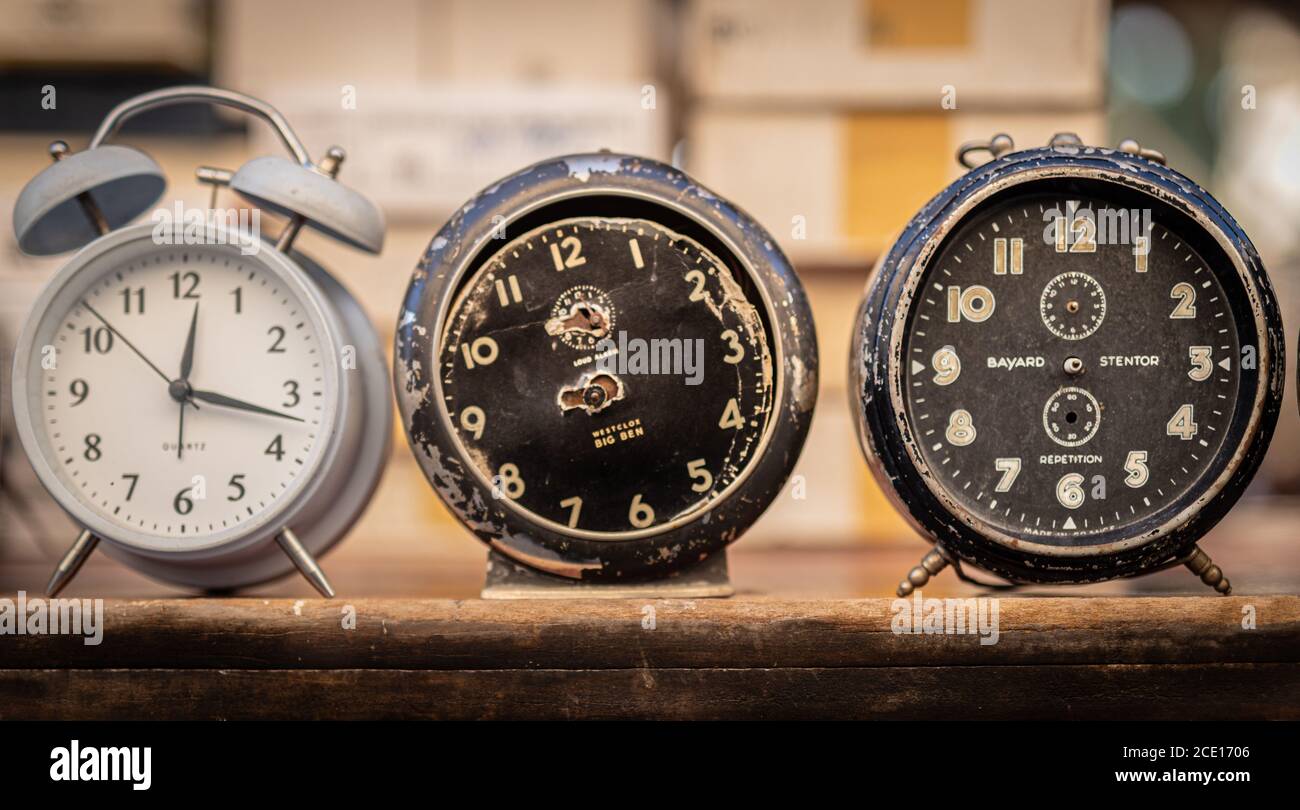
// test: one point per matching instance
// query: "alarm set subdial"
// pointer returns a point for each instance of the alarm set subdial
(1073, 305)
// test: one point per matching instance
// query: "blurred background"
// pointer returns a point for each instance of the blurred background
(830, 121)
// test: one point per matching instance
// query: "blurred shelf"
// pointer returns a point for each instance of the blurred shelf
(746, 657)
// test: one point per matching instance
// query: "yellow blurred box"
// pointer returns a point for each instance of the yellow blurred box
(898, 53)
(834, 187)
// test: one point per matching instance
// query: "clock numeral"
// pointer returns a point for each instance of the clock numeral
(975, 303)
(92, 451)
(574, 505)
(1136, 467)
(238, 292)
(696, 469)
(1141, 250)
(947, 366)
(574, 246)
(278, 333)
(1186, 295)
(276, 448)
(1008, 256)
(182, 503)
(1202, 366)
(961, 428)
(737, 349)
(1010, 468)
(1069, 491)
(291, 393)
(1182, 424)
(98, 340)
(481, 352)
(640, 514)
(79, 389)
(189, 281)
(473, 419)
(1079, 237)
(508, 290)
(236, 483)
(127, 295)
(508, 482)
(635, 247)
(697, 278)
(135, 479)
(731, 417)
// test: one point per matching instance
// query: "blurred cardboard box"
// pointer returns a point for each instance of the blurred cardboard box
(898, 53)
(398, 42)
(833, 187)
(104, 32)
(422, 151)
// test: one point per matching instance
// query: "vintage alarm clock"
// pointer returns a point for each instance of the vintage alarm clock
(1068, 366)
(213, 411)
(606, 371)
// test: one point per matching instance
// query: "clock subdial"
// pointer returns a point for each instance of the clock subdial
(1073, 305)
(186, 394)
(1102, 416)
(608, 376)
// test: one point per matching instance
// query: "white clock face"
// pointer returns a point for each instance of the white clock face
(169, 460)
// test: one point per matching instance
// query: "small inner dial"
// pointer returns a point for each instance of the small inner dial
(1068, 376)
(151, 449)
(1073, 305)
(607, 376)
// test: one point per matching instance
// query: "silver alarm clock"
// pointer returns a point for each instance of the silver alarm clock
(213, 412)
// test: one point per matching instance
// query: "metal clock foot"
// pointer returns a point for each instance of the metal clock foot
(305, 562)
(931, 564)
(1201, 565)
(71, 562)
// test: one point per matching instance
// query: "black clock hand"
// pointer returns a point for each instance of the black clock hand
(187, 358)
(180, 433)
(214, 398)
(128, 343)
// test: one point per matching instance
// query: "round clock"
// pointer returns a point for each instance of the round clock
(1068, 367)
(213, 410)
(606, 371)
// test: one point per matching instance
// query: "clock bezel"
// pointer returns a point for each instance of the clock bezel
(577, 185)
(243, 535)
(882, 421)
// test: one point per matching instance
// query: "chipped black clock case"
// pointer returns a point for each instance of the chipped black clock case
(1068, 367)
(605, 370)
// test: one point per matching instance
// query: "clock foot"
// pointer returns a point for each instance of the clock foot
(1199, 563)
(931, 564)
(71, 562)
(305, 562)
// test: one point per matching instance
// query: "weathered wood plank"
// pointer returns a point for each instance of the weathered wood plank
(1211, 691)
(598, 634)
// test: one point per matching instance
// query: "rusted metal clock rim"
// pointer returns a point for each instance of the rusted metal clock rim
(882, 419)
(575, 185)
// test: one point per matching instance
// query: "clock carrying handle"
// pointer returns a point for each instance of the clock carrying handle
(197, 94)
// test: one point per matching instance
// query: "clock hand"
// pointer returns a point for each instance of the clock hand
(180, 437)
(187, 359)
(214, 398)
(128, 343)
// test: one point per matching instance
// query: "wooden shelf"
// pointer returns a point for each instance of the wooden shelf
(747, 657)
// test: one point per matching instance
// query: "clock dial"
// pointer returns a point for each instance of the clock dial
(608, 376)
(1064, 387)
(161, 454)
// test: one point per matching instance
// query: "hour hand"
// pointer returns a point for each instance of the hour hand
(238, 404)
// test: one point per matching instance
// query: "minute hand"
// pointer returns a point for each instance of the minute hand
(238, 404)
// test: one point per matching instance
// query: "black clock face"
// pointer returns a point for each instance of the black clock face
(607, 376)
(1067, 383)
